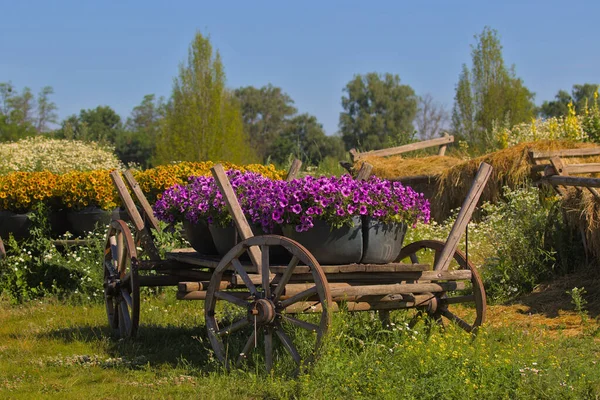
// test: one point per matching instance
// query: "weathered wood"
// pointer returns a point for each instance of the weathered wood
(294, 169)
(200, 286)
(191, 257)
(349, 268)
(364, 172)
(390, 302)
(189, 275)
(143, 234)
(159, 280)
(385, 277)
(237, 214)
(571, 169)
(572, 181)
(142, 200)
(464, 216)
(442, 150)
(398, 288)
(406, 148)
(558, 166)
(354, 155)
(590, 151)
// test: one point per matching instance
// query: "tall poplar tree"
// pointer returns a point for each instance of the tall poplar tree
(489, 93)
(203, 119)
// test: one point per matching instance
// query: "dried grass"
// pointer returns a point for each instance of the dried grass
(396, 167)
(582, 210)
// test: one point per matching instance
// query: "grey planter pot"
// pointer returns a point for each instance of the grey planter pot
(382, 242)
(82, 222)
(200, 237)
(225, 238)
(331, 246)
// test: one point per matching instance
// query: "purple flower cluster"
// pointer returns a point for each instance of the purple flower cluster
(267, 203)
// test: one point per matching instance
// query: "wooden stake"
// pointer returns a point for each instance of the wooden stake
(365, 172)
(294, 169)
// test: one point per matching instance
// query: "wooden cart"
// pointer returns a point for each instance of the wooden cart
(249, 300)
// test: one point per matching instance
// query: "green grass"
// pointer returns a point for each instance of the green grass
(52, 349)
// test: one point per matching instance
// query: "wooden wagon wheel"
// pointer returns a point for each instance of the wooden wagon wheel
(253, 317)
(121, 281)
(441, 307)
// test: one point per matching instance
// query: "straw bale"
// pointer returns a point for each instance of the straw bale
(582, 211)
(397, 167)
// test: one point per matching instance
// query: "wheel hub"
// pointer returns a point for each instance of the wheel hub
(263, 310)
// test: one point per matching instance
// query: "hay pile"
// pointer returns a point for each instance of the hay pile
(582, 210)
(512, 168)
(397, 167)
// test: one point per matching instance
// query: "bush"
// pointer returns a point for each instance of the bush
(56, 156)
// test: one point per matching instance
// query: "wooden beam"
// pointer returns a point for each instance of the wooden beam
(404, 149)
(237, 214)
(464, 216)
(294, 169)
(142, 200)
(365, 172)
(590, 151)
(572, 181)
(442, 150)
(572, 169)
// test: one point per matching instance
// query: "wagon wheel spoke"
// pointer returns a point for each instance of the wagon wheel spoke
(230, 298)
(455, 318)
(124, 319)
(248, 347)
(265, 270)
(299, 296)
(289, 346)
(302, 324)
(236, 326)
(127, 298)
(239, 268)
(268, 349)
(285, 277)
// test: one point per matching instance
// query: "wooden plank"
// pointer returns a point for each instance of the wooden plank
(294, 169)
(193, 258)
(464, 216)
(398, 288)
(572, 181)
(158, 280)
(572, 169)
(406, 148)
(365, 172)
(354, 155)
(143, 234)
(442, 150)
(237, 214)
(142, 200)
(560, 168)
(590, 151)
(351, 268)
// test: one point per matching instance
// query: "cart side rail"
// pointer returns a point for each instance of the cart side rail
(464, 216)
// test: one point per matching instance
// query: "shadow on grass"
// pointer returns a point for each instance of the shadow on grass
(155, 344)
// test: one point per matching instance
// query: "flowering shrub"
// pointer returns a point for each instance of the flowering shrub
(268, 202)
(58, 156)
(20, 191)
(77, 190)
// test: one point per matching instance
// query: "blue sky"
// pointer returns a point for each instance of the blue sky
(114, 52)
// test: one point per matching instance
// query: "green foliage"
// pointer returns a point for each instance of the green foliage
(305, 139)
(265, 112)
(137, 144)
(579, 302)
(35, 267)
(489, 94)
(581, 97)
(16, 113)
(203, 120)
(101, 124)
(378, 112)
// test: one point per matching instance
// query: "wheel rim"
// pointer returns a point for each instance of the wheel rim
(266, 310)
(446, 304)
(121, 283)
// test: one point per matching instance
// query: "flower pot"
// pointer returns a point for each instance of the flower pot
(17, 224)
(59, 222)
(199, 237)
(87, 220)
(331, 246)
(225, 238)
(382, 242)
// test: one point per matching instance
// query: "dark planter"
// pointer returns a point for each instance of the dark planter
(199, 237)
(331, 246)
(225, 238)
(17, 224)
(59, 222)
(87, 220)
(382, 242)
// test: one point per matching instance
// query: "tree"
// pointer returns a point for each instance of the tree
(581, 96)
(265, 112)
(101, 124)
(431, 118)
(16, 113)
(305, 139)
(378, 112)
(489, 93)
(137, 142)
(46, 110)
(203, 119)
